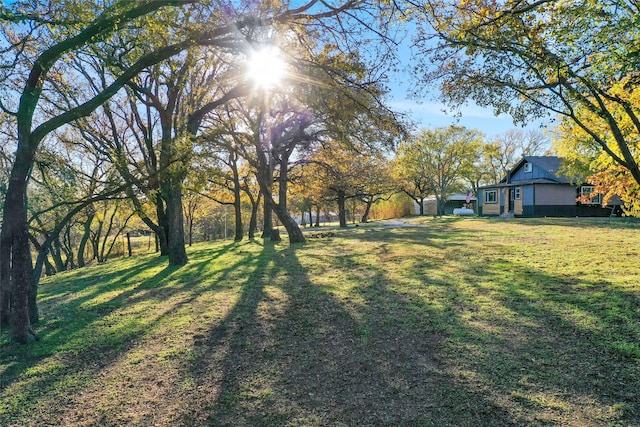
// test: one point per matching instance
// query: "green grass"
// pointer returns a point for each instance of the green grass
(451, 322)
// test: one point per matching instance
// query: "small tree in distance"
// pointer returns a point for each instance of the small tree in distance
(433, 163)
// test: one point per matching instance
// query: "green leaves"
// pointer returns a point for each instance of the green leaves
(532, 58)
(434, 162)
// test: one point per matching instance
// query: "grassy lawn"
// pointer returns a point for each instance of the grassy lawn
(451, 322)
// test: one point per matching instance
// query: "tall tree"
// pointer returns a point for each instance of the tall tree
(409, 172)
(534, 58)
(435, 161)
(330, 93)
(37, 40)
(341, 173)
(378, 186)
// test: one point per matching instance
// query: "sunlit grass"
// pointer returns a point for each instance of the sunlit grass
(449, 322)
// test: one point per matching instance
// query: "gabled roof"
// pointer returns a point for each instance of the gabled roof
(549, 165)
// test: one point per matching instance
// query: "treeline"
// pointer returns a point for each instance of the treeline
(145, 109)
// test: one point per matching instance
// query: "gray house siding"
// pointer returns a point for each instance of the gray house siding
(555, 195)
(528, 196)
(528, 200)
(560, 200)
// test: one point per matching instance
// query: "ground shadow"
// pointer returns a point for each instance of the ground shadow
(290, 353)
(79, 340)
(306, 356)
(494, 343)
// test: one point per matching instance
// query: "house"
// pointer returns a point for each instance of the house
(454, 201)
(534, 188)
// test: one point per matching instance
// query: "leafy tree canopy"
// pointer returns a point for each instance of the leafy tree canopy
(584, 161)
(535, 58)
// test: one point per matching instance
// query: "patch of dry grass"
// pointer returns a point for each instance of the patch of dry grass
(465, 322)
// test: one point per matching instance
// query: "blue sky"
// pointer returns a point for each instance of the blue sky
(429, 112)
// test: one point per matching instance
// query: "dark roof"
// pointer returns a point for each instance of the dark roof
(549, 164)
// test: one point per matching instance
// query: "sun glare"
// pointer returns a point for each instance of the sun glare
(266, 68)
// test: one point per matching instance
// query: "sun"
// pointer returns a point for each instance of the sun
(266, 68)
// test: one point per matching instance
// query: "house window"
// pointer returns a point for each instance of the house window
(491, 196)
(587, 198)
(516, 193)
(528, 167)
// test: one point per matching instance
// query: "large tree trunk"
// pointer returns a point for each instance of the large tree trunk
(237, 206)
(162, 228)
(67, 248)
(171, 176)
(294, 232)
(239, 231)
(421, 205)
(440, 202)
(303, 220)
(17, 266)
(367, 210)
(264, 177)
(32, 300)
(267, 216)
(317, 215)
(191, 231)
(265, 180)
(56, 254)
(5, 285)
(49, 269)
(177, 252)
(85, 235)
(253, 222)
(342, 210)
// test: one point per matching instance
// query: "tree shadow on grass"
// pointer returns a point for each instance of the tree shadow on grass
(562, 347)
(290, 353)
(627, 223)
(80, 336)
(530, 349)
(550, 348)
(437, 234)
(495, 344)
